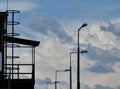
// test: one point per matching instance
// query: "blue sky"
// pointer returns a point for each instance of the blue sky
(55, 22)
(67, 10)
(80, 9)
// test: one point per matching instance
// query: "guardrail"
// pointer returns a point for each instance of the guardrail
(21, 71)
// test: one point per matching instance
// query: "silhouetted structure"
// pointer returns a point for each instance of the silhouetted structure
(14, 74)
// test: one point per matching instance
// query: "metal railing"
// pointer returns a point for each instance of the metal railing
(20, 71)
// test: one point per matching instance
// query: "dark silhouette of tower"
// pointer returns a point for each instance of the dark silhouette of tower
(14, 73)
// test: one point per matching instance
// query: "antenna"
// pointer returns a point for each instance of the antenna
(7, 4)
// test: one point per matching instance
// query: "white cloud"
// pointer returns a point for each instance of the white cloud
(92, 79)
(48, 27)
(94, 35)
(107, 42)
(53, 54)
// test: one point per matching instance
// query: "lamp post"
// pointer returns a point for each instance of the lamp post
(56, 76)
(83, 51)
(78, 58)
(56, 80)
(70, 72)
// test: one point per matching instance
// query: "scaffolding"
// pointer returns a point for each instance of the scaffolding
(16, 71)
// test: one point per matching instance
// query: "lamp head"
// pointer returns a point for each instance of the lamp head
(84, 51)
(84, 25)
(67, 70)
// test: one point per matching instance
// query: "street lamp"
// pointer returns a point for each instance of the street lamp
(78, 58)
(83, 51)
(56, 76)
(70, 72)
(56, 80)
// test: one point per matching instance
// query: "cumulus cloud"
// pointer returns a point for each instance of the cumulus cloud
(102, 45)
(99, 64)
(101, 69)
(97, 86)
(103, 54)
(101, 41)
(101, 58)
(49, 27)
(100, 61)
(104, 59)
(96, 36)
(112, 27)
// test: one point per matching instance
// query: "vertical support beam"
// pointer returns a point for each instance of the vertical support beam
(33, 64)
(12, 44)
(1, 44)
(18, 71)
(5, 44)
(2, 29)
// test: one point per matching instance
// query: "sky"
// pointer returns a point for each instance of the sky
(55, 23)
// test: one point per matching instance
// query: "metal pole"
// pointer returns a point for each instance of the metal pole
(12, 43)
(83, 51)
(55, 79)
(56, 76)
(78, 67)
(78, 59)
(70, 72)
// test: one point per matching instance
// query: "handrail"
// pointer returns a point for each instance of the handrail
(19, 64)
(18, 72)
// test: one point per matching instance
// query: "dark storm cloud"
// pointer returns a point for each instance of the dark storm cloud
(114, 28)
(45, 26)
